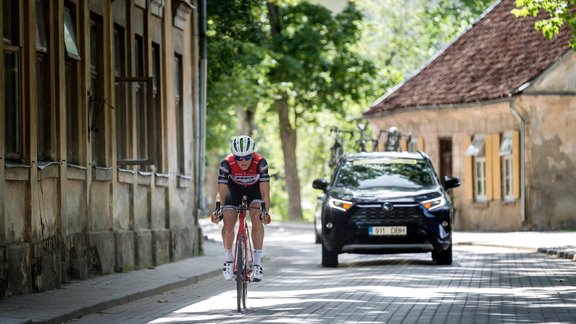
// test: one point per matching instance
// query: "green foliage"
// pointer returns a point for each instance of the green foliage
(316, 68)
(557, 13)
(400, 36)
(329, 68)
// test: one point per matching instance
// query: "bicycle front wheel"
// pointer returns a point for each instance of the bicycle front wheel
(240, 285)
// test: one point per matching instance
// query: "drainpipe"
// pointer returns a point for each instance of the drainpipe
(522, 157)
(203, 71)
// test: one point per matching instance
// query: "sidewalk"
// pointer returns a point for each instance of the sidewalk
(93, 295)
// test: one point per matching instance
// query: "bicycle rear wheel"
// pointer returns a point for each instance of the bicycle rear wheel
(240, 285)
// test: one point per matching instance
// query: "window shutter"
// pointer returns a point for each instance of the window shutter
(489, 168)
(496, 167)
(468, 175)
(516, 164)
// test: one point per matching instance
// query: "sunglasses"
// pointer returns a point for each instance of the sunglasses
(246, 158)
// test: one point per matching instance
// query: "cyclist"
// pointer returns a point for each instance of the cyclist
(243, 173)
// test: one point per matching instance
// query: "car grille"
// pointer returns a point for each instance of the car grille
(409, 215)
(375, 213)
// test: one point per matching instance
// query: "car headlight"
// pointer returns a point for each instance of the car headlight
(339, 204)
(434, 203)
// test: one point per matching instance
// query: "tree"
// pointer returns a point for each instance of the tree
(296, 66)
(559, 13)
(316, 69)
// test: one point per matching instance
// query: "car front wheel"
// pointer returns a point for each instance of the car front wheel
(443, 257)
(329, 258)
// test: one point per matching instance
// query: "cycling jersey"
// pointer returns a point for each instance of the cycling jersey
(231, 174)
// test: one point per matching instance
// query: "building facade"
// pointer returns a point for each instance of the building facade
(99, 150)
(496, 109)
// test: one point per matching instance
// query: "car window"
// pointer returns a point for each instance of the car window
(385, 173)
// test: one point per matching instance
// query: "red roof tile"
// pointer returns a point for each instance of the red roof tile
(498, 54)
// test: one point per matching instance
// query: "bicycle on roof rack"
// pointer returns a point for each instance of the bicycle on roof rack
(337, 149)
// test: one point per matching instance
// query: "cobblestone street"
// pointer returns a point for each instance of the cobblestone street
(484, 285)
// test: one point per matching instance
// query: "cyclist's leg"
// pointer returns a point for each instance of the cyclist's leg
(255, 199)
(229, 221)
(233, 199)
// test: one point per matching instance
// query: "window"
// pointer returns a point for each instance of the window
(506, 159)
(179, 106)
(46, 115)
(480, 178)
(134, 118)
(477, 152)
(123, 133)
(13, 111)
(73, 114)
(98, 103)
(140, 97)
(70, 35)
(157, 104)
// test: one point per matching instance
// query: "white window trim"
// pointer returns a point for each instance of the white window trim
(507, 178)
(480, 195)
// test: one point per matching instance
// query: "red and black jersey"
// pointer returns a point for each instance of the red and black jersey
(231, 173)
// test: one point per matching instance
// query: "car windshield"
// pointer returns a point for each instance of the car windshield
(385, 173)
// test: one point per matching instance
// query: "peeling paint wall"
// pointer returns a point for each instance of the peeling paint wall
(548, 107)
(458, 123)
(551, 156)
(62, 221)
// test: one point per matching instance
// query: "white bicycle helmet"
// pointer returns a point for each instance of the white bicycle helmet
(242, 145)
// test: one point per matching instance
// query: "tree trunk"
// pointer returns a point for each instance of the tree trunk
(289, 140)
(287, 136)
(245, 121)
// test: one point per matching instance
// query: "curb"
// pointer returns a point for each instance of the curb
(563, 252)
(97, 307)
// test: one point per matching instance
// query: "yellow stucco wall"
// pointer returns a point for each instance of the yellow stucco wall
(460, 124)
(546, 108)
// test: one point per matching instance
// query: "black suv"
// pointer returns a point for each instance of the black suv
(386, 202)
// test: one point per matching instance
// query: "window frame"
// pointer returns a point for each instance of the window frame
(150, 140)
(74, 115)
(98, 103)
(480, 194)
(477, 151)
(14, 138)
(45, 112)
(507, 165)
(507, 178)
(179, 110)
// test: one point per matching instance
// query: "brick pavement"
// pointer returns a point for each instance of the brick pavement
(93, 295)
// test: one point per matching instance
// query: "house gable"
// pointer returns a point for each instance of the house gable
(559, 78)
(491, 60)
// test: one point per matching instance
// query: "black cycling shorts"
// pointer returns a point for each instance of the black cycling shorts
(235, 193)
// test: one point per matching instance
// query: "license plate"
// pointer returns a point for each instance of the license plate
(387, 230)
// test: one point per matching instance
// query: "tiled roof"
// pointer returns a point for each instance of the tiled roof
(498, 54)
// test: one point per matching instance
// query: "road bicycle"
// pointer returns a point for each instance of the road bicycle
(243, 251)
(337, 150)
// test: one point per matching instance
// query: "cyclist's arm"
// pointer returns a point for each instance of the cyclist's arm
(222, 189)
(265, 193)
(264, 182)
(223, 174)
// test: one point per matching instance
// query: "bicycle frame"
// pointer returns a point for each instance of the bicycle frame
(243, 254)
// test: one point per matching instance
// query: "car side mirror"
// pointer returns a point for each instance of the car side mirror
(451, 182)
(320, 184)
